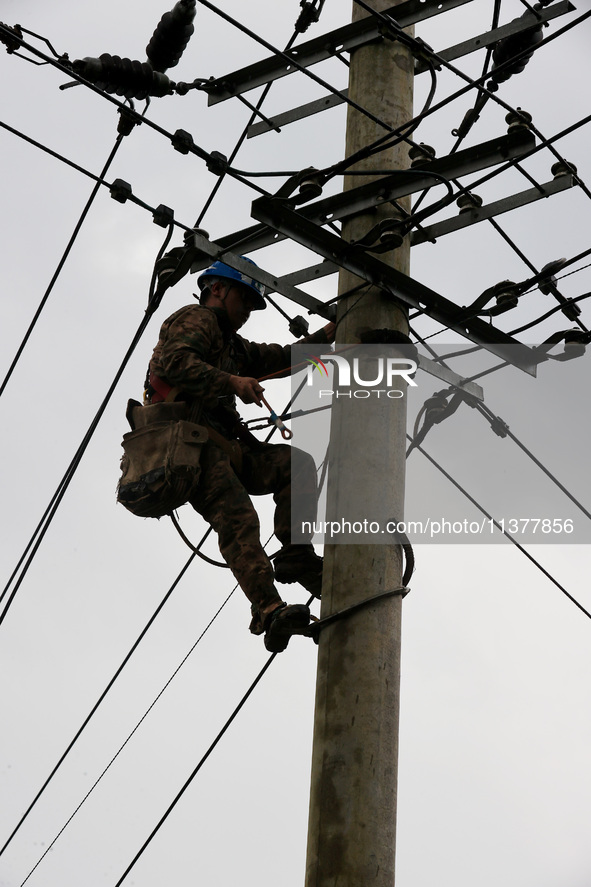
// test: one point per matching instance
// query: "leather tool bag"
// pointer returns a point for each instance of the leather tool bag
(160, 464)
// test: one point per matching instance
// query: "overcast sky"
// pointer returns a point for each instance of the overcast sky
(494, 782)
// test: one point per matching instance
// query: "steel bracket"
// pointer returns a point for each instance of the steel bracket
(345, 39)
(479, 214)
(276, 215)
(459, 50)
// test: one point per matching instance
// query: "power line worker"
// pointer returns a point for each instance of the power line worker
(200, 353)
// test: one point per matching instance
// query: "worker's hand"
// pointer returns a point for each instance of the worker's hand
(249, 390)
(330, 331)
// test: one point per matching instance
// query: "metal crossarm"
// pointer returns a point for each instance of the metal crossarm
(400, 184)
(480, 213)
(320, 48)
(276, 215)
(275, 284)
(387, 188)
(459, 50)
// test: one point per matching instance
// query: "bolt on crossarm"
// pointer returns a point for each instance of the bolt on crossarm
(351, 838)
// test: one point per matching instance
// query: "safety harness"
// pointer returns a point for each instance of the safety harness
(162, 391)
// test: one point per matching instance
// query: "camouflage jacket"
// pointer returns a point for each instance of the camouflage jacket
(198, 352)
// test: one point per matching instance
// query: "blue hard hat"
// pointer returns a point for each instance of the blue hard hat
(225, 272)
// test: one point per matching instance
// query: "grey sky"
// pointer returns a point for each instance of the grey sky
(495, 721)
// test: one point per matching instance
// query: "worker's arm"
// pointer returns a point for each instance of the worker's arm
(190, 342)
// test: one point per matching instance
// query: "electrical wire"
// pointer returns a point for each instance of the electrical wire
(188, 782)
(61, 264)
(292, 61)
(471, 84)
(132, 733)
(556, 309)
(241, 140)
(101, 698)
(511, 538)
(45, 522)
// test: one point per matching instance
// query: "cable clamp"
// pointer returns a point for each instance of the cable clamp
(11, 41)
(314, 629)
(217, 163)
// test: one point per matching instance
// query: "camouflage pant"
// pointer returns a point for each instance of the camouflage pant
(223, 499)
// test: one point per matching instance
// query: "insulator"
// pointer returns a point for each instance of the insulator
(309, 14)
(188, 235)
(167, 265)
(310, 186)
(299, 326)
(506, 295)
(420, 154)
(518, 120)
(120, 190)
(182, 141)
(513, 45)
(548, 281)
(561, 168)
(468, 201)
(391, 234)
(11, 43)
(163, 216)
(575, 342)
(132, 79)
(173, 32)
(435, 408)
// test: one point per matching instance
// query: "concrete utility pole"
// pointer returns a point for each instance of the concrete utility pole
(351, 838)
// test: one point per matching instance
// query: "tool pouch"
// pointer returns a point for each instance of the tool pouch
(160, 463)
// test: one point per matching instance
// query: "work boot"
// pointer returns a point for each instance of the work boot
(299, 563)
(284, 621)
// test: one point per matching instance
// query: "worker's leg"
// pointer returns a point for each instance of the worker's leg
(223, 501)
(288, 473)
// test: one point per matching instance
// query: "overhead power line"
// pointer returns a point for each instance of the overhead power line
(511, 538)
(188, 782)
(61, 264)
(44, 524)
(130, 735)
